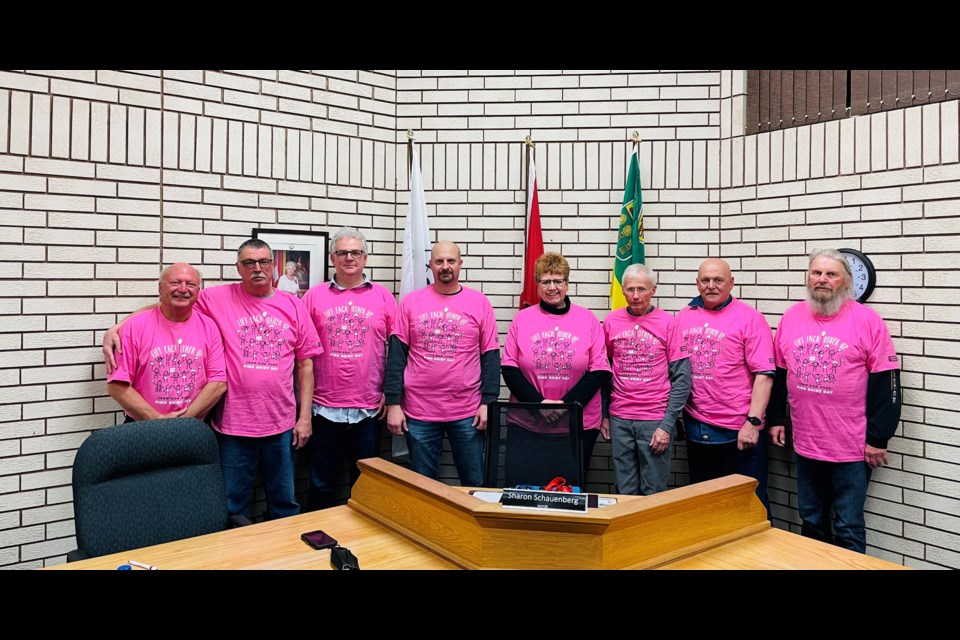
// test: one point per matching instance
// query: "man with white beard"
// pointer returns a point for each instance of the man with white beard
(837, 367)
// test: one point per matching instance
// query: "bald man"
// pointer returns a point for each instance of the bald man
(443, 370)
(731, 354)
(172, 361)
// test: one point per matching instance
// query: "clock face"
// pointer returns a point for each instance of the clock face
(864, 274)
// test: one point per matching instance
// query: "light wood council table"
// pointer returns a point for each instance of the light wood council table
(397, 519)
(277, 545)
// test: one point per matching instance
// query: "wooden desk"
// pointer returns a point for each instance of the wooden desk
(397, 519)
(277, 545)
(779, 549)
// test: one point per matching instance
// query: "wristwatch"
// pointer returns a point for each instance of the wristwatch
(753, 420)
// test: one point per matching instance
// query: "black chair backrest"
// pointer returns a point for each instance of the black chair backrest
(145, 483)
(532, 443)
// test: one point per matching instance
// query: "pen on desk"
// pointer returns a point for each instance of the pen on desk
(141, 565)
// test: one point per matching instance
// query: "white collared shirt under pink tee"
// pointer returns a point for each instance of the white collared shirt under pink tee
(354, 325)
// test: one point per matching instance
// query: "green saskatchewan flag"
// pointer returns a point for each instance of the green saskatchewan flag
(630, 237)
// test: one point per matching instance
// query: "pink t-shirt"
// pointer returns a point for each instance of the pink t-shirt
(828, 361)
(262, 339)
(446, 335)
(168, 363)
(554, 351)
(727, 347)
(354, 325)
(642, 348)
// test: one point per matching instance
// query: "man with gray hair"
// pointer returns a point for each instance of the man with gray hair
(266, 337)
(651, 381)
(172, 364)
(354, 318)
(837, 368)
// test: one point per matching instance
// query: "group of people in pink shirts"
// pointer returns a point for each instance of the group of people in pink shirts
(827, 385)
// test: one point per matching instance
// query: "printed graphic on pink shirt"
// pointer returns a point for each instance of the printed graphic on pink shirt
(553, 353)
(261, 342)
(347, 327)
(817, 359)
(704, 345)
(634, 351)
(439, 333)
(175, 368)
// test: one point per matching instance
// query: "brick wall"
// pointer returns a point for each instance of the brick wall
(107, 175)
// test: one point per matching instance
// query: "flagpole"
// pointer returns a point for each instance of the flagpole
(533, 231)
(398, 443)
(530, 146)
(410, 150)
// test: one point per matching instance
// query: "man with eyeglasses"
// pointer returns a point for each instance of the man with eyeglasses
(443, 370)
(266, 335)
(353, 317)
(172, 362)
(731, 353)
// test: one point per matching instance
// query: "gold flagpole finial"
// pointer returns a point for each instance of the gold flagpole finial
(635, 136)
(409, 134)
(529, 142)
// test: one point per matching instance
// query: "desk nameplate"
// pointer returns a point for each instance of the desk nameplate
(544, 500)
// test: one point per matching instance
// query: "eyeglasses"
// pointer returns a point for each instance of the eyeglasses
(356, 253)
(551, 283)
(264, 263)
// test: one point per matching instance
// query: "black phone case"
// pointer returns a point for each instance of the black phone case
(318, 540)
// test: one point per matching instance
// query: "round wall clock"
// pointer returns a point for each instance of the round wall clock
(864, 273)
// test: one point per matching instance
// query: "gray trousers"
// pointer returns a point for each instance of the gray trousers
(637, 469)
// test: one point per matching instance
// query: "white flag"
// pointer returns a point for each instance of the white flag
(415, 273)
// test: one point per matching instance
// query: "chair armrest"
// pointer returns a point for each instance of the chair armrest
(237, 521)
(76, 555)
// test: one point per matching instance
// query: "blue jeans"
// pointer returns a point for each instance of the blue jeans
(240, 457)
(425, 441)
(712, 453)
(331, 443)
(841, 486)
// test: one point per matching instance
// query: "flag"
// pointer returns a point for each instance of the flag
(533, 247)
(415, 271)
(630, 236)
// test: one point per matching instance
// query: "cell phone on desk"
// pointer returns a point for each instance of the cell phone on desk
(318, 539)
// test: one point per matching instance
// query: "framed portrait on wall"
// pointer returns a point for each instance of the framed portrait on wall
(300, 258)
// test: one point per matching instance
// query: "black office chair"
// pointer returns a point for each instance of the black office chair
(532, 443)
(145, 483)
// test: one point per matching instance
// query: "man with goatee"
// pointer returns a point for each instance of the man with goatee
(837, 367)
(443, 369)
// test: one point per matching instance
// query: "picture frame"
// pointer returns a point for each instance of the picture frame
(306, 250)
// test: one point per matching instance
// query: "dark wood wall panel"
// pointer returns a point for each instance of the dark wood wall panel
(777, 99)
